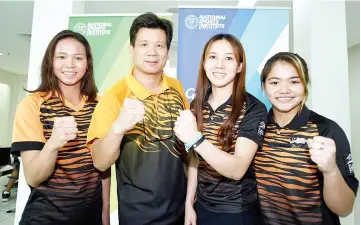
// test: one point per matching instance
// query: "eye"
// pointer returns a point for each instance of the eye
(159, 46)
(229, 58)
(212, 57)
(274, 82)
(78, 58)
(143, 44)
(60, 57)
(295, 82)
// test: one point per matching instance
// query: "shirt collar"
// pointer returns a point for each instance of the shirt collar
(139, 90)
(300, 120)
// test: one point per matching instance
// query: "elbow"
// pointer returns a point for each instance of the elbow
(99, 166)
(237, 175)
(32, 182)
(345, 212)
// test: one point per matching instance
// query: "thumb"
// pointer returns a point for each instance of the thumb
(309, 143)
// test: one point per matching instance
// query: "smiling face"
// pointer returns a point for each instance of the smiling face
(284, 88)
(69, 62)
(150, 51)
(221, 65)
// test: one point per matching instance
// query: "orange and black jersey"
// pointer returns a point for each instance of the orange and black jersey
(72, 193)
(288, 181)
(215, 192)
(151, 183)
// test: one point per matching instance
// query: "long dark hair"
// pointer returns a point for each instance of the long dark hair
(225, 134)
(50, 83)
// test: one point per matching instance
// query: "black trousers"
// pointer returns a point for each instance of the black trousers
(205, 217)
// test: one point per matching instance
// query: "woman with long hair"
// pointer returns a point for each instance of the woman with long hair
(223, 134)
(50, 131)
(304, 170)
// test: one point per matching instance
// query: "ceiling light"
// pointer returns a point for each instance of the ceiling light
(1, 53)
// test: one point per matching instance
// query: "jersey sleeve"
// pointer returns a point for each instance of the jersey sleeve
(105, 113)
(28, 133)
(254, 122)
(344, 160)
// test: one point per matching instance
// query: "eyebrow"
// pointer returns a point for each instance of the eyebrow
(70, 54)
(276, 78)
(229, 53)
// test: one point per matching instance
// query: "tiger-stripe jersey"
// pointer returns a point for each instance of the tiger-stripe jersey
(215, 192)
(289, 183)
(151, 182)
(74, 188)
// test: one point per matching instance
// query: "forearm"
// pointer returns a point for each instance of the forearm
(337, 194)
(106, 150)
(106, 189)
(38, 169)
(230, 166)
(192, 181)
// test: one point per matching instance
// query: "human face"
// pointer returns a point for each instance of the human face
(284, 88)
(70, 62)
(221, 65)
(150, 51)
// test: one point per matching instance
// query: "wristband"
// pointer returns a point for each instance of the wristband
(197, 140)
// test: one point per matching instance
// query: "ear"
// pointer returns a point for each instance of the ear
(168, 54)
(131, 49)
(239, 69)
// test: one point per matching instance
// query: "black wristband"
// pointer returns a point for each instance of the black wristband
(200, 141)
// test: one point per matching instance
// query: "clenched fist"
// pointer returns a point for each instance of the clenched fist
(131, 113)
(323, 153)
(64, 130)
(186, 126)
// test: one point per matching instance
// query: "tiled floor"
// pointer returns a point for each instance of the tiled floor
(7, 218)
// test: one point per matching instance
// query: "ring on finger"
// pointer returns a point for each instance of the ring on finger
(322, 146)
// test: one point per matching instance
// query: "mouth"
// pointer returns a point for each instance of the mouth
(151, 62)
(69, 73)
(284, 99)
(219, 75)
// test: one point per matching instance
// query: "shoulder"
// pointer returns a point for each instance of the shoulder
(173, 82)
(254, 104)
(117, 92)
(324, 124)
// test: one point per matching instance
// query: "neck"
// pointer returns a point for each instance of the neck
(220, 95)
(151, 82)
(284, 118)
(72, 93)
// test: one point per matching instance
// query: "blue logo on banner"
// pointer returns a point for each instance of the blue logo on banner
(257, 29)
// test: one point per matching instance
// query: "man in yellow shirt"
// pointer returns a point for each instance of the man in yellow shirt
(132, 126)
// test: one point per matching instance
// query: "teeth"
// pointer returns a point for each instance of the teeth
(285, 98)
(219, 74)
(69, 73)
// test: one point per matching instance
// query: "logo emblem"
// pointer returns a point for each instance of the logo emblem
(191, 22)
(80, 28)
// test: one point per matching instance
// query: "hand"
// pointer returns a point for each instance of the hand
(190, 216)
(186, 126)
(323, 153)
(105, 216)
(131, 113)
(64, 130)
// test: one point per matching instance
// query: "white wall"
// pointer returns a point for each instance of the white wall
(16, 83)
(354, 83)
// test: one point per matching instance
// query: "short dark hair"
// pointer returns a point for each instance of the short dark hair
(150, 20)
(49, 82)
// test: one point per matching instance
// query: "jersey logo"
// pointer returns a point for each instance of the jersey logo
(297, 142)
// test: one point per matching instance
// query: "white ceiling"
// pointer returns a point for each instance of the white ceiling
(16, 21)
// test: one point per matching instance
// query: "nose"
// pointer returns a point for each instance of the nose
(70, 63)
(220, 64)
(284, 88)
(152, 50)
